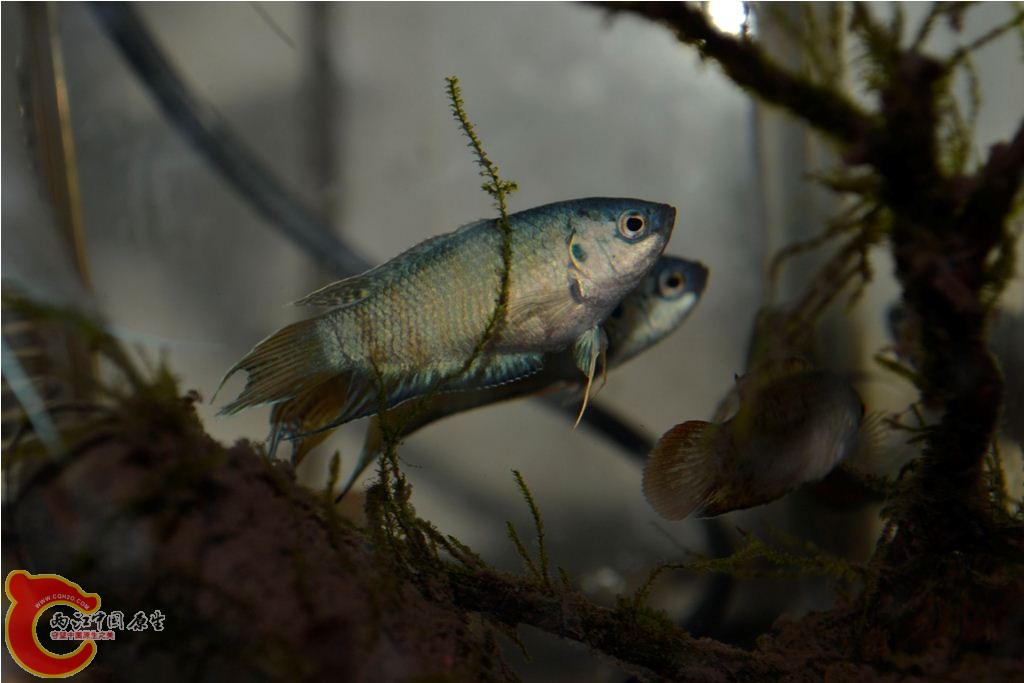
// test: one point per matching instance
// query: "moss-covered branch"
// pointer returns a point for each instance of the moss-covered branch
(751, 68)
(264, 578)
(946, 228)
(641, 639)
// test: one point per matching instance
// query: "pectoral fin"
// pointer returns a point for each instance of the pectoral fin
(591, 345)
(551, 305)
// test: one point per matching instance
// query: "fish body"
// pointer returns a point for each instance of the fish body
(662, 301)
(794, 424)
(413, 324)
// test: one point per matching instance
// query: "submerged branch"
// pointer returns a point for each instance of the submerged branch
(216, 142)
(635, 637)
(145, 459)
(994, 189)
(945, 229)
(633, 442)
(746, 64)
(996, 32)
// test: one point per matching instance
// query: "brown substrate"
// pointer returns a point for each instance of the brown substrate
(260, 580)
(256, 577)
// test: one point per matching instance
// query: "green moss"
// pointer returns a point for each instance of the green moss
(648, 633)
(758, 558)
(540, 569)
(392, 521)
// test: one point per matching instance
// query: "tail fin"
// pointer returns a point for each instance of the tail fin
(681, 471)
(290, 361)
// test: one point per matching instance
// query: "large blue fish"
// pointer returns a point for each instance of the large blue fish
(414, 324)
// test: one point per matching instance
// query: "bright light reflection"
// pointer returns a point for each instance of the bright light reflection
(727, 15)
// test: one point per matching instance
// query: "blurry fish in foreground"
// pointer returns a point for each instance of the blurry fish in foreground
(794, 425)
(658, 306)
(412, 325)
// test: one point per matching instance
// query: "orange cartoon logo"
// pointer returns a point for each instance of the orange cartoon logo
(30, 595)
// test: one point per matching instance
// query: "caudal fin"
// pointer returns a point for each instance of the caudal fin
(281, 366)
(680, 474)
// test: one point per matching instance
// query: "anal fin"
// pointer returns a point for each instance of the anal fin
(301, 418)
(486, 372)
(495, 370)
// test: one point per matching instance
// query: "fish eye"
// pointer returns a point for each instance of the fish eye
(631, 226)
(618, 312)
(671, 282)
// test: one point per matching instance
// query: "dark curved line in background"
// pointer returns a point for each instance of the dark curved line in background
(214, 140)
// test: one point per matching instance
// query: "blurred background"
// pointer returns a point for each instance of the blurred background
(345, 104)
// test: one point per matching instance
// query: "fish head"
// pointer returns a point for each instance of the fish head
(614, 243)
(661, 303)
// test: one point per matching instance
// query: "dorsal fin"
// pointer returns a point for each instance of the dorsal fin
(341, 293)
(358, 287)
(749, 384)
(287, 363)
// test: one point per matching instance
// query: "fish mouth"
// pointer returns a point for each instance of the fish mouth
(697, 274)
(666, 219)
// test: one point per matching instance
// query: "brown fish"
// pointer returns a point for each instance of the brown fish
(794, 425)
